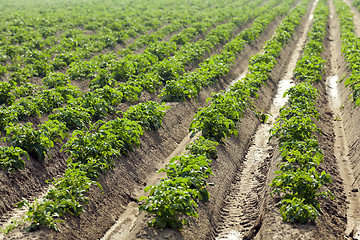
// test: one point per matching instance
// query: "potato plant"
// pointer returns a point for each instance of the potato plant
(11, 158)
(186, 183)
(149, 114)
(35, 142)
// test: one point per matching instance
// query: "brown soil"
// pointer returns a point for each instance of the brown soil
(36, 173)
(130, 173)
(123, 184)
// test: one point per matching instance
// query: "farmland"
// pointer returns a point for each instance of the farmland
(219, 119)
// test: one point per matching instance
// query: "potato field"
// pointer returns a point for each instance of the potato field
(180, 119)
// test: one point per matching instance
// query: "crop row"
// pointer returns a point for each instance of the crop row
(187, 86)
(59, 83)
(91, 153)
(25, 34)
(220, 118)
(298, 182)
(79, 111)
(350, 48)
(75, 47)
(173, 68)
(186, 182)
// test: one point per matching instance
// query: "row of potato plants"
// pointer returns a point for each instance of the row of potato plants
(114, 24)
(75, 115)
(120, 69)
(350, 44)
(171, 68)
(190, 84)
(219, 120)
(186, 181)
(92, 152)
(79, 111)
(74, 47)
(298, 182)
(149, 69)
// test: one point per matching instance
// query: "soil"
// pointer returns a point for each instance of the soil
(240, 201)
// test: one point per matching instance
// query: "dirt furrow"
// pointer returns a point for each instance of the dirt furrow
(242, 205)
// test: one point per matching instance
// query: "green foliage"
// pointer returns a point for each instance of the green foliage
(7, 116)
(169, 70)
(296, 211)
(35, 142)
(101, 80)
(47, 100)
(67, 196)
(169, 199)
(219, 120)
(80, 70)
(150, 82)
(26, 107)
(149, 114)
(11, 158)
(214, 125)
(6, 95)
(74, 117)
(112, 95)
(177, 194)
(55, 79)
(161, 50)
(202, 146)
(98, 107)
(130, 90)
(125, 132)
(83, 147)
(178, 91)
(25, 90)
(195, 168)
(55, 130)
